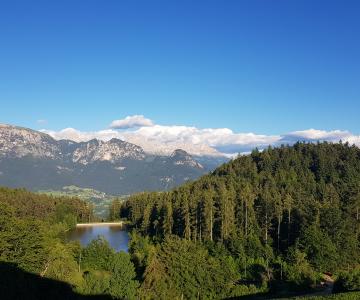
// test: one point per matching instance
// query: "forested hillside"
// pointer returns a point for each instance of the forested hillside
(37, 262)
(45, 207)
(279, 217)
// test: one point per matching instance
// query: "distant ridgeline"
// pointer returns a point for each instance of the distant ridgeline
(282, 214)
(36, 161)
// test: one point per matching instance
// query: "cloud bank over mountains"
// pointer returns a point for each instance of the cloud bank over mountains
(163, 139)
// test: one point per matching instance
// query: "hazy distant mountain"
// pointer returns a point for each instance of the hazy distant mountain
(35, 160)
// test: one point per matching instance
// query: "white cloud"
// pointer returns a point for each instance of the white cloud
(313, 135)
(41, 121)
(353, 140)
(218, 140)
(318, 135)
(83, 136)
(131, 122)
(162, 139)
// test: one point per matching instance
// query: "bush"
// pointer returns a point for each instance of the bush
(298, 270)
(348, 281)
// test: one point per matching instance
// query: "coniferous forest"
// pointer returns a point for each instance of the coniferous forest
(276, 222)
(271, 221)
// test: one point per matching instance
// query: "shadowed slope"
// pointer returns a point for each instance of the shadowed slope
(18, 284)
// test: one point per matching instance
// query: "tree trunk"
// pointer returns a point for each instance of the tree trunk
(187, 231)
(42, 274)
(246, 219)
(266, 226)
(278, 232)
(199, 225)
(211, 223)
(289, 226)
(79, 261)
(245, 267)
(196, 226)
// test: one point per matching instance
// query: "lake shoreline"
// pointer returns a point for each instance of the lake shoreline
(115, 233)
(100, 224)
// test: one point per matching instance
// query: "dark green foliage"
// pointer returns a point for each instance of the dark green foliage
(96, 283)
(122, 281)
(97, 255)
(320, 249)
(53, 209)
(185, 269)
(32, 241)
(348, 281)
(298, 205)
(108, 272)
(32, 231)
(297, 269)
(114, 210)
(22, 241)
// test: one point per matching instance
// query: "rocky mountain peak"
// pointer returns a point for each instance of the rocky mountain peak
(181, 157)
(19, 142)
(35, 160)
(116, 141)
(114, 150)
(180, 153)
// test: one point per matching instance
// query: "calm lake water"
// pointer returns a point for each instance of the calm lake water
(117, 237)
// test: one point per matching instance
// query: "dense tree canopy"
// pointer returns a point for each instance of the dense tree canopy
(41, 206)
(286, 213)
(32, 241)
(32, 230)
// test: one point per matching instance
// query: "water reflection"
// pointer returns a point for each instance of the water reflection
(117, 237)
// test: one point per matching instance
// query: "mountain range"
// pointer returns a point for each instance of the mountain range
(34, 160)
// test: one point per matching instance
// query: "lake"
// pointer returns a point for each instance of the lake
(115, 234)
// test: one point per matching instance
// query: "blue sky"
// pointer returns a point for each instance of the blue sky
(266, 67)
